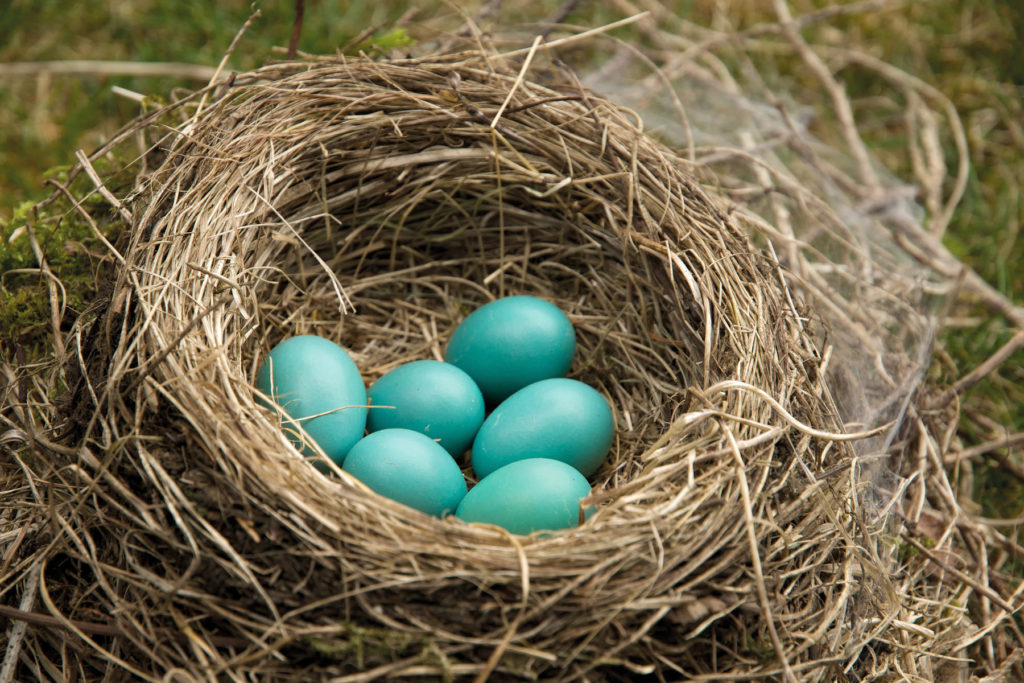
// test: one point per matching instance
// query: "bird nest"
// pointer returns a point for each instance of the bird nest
(376, 203)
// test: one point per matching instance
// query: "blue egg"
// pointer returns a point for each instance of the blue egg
(512, 342)
(318, 386)
(408, 467)
(560, 418)
(528, 495)
(431, 397)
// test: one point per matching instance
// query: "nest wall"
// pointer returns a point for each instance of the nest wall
(377, 203)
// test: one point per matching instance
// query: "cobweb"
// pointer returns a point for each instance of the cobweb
(842, 244)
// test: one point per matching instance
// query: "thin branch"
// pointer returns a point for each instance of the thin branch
(293, 43)
(585, 35)
(90, 171)
(1008, 441)
(90, 67)
(224, 60)
(1015, 343)
(517, 82)
(1007, 464)
(843, 108)
(98, 629)
(966, 578)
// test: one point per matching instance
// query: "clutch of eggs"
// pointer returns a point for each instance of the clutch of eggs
(532, 454)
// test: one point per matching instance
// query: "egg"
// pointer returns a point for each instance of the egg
(512, 342)
(528, 495)
(317, 385)
(408, 467)
(562, 419)
(431, 397)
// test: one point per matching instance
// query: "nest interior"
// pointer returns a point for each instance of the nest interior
(376, 203)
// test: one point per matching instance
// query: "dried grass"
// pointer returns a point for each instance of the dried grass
(374, 203)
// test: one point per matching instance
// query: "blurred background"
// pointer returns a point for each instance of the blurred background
(969, 50)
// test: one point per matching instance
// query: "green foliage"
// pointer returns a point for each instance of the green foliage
(73, 252)
(761, 647)
(23, 313)
(385, 43)
(905, 551)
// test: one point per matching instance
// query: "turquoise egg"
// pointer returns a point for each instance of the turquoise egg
(431, 397)
(560, 418)
(512, 342)
(408, 467)
(311, 376)
(528, 495)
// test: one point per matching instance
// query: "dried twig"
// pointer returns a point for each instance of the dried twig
(969, 580)
(224, 60)
(1014, 344)
(1008, 441)
(23, 616)
(17, 633)
(82, 67)
(293, 42)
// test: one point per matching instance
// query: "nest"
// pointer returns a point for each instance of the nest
(376, 203)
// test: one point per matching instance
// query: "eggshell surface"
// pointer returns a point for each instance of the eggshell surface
(562, 419)
(308, 375)
(528, 495)
(434, 398)
(408, 467)
(512, 342)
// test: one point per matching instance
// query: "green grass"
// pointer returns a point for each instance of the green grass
(45, 118)
(968, 49)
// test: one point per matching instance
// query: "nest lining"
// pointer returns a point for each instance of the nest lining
(373, 203)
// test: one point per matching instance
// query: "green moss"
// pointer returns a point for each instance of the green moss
(74, 254)
(905, 552)
(1004, 497)
(23, 313)
(359, 645)
(761, 647)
